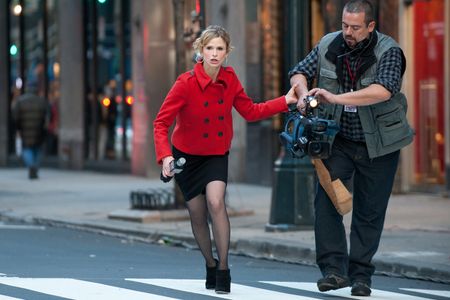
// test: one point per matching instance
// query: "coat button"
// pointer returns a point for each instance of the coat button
(220, 133)
(205, 135)
(221, 118)
(205, 104)
(206, 120)
(221, 101)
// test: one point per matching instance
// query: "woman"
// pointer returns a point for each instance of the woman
(201, 102)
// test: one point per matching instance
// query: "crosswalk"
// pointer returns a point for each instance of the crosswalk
(69, 288)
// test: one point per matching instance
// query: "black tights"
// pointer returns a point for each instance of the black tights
(198, 211)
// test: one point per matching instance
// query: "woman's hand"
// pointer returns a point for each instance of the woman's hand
(291, 96)
(165, 170)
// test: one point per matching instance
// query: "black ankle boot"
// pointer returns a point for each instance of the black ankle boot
(223, 281)
(210, 283)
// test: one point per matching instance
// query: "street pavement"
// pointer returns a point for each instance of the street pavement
(415, 242)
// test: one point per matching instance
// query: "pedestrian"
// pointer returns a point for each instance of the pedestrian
(30, 113)
(359, 73)
(201, 102)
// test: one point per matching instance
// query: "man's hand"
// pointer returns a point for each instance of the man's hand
(301, 89)
(323, 96)
(374, 93)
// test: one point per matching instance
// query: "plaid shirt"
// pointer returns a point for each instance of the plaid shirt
(389, 73)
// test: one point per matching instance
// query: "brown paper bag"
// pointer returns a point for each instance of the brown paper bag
(338, 193)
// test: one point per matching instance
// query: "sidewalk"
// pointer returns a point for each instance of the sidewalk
(415, 242)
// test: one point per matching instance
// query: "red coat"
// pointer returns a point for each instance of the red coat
(202, 110)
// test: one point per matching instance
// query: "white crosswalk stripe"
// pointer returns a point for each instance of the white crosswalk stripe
(345, 292)
(85, 290)
(430, 292)
(238, 291)
(77, 289)
(3, 297)
(21, 227)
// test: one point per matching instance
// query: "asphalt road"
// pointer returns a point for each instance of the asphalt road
(39, 262)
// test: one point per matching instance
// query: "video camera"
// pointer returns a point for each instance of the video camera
(308, 134)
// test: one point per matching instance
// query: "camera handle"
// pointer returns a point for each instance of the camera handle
(292, 134)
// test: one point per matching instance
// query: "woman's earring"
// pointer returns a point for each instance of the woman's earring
(199, 58)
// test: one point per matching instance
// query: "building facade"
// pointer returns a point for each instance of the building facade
(106, 66)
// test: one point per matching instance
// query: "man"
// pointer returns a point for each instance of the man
(359, 73)
(30, 115)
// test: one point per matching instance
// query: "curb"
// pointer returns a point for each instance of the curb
(261, 249)
(151, 216)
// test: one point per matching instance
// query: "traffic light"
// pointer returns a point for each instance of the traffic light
(13, 50)
(106, 102)
(129, 100)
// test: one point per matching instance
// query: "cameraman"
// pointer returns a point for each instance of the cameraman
(359, 73)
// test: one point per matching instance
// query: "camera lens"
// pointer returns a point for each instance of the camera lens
(315, 148)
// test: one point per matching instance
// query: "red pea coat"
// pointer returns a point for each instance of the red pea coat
(202, 110)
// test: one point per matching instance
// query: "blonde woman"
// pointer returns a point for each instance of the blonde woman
(201, 102)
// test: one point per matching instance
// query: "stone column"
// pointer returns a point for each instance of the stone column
(4, 83)
(153, 65)
(231, 15)
(71, 107)
(406, 41)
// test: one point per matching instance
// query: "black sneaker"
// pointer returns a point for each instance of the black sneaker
(360, 289)
(332, 282)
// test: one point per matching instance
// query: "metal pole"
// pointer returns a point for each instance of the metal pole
(6, 131)
(45, 46)
(94, 73)
(125, 108)
(22, 46)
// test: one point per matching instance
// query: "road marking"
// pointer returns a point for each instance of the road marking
(3, 297)
(406, 254)
(77, 289)
(80, 290)
(238, 291)
(21, 227)
(439, 293)
(345, 292)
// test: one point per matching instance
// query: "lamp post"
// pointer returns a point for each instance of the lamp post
(292, 194)
(294, 179)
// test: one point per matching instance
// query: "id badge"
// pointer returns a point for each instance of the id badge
(350, 108)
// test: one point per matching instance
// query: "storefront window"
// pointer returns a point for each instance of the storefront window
(15, 50)
(109, 88)
(33, 56)
(429, 91)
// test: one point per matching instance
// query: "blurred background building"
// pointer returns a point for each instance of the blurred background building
(105, 67)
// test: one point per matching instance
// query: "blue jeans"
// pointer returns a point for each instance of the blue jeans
(32, 156)
(371, 181)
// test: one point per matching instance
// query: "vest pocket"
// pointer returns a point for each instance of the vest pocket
(390, 117)
(328, 80)
(394, 134)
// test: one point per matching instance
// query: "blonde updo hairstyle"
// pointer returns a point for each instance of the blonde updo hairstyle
(211, 32)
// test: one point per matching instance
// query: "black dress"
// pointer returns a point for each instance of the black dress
(198, 171)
